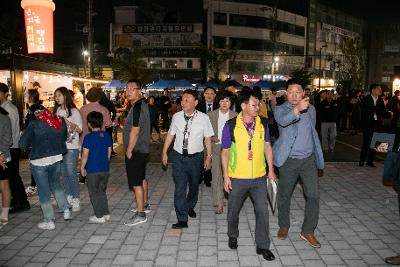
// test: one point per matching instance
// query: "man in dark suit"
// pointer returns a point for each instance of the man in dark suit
(208, 104)
(373, 109)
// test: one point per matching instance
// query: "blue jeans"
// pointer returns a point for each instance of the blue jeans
(48, 181)
(186, 170)
(71, 183)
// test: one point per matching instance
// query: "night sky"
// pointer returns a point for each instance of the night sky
(70, 16)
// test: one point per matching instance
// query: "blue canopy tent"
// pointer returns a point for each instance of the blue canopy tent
(113, 84)
(170, 84)
(264, 84)
(236, 83)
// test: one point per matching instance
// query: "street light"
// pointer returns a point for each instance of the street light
(85, 53)
(320, 70)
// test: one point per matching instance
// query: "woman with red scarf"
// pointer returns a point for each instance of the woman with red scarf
(46, 136)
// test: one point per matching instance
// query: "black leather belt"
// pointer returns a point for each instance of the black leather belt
(188, 155)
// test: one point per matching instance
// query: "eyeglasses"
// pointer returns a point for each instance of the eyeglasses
(133, 89)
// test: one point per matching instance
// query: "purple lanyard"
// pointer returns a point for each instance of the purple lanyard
(250, 127)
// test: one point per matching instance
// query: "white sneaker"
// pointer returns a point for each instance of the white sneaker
(69, 199)
(107, 217)
(67, 215)
(31, 190)
(94, 219)
(47, 225)
(76, 204)
(147, 208)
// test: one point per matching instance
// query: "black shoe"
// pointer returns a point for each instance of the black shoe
(370, 164)
(180, 225)
(192, 213)
(82, 180)
(361, 163)
(266, 253)
(16, 209)
(232, 243)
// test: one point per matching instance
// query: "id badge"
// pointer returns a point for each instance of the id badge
(250, 155)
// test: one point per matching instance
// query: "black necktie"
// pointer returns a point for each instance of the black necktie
(209, 108)
(185, 135)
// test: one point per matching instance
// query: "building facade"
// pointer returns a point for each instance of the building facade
(384, 59)
(269, 42)
(171, 50)
(326, 28)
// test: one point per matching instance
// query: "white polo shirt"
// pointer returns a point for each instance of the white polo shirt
(199, 127)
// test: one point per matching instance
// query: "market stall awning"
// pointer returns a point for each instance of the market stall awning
(113, 84)
(264, 84)
(170, 84)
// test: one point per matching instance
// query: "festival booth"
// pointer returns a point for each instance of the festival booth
(21, 73)
(112, 88)
(175, 87)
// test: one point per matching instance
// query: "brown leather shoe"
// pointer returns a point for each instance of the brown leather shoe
(283, 232)
(310, 238)
(393, 260)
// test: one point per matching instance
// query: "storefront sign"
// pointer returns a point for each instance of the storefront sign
(171, 52)
(250, 78)
(158, 28)
(39, 25)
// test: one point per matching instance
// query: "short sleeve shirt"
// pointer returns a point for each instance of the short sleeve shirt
(199, 127)
(226, 140)
(98, 144)
(138, 116)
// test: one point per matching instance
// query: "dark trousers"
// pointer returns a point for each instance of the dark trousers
(155, 126)
(258, 193)
(165, 120)
(18, 195)
(110, 130)
(207, 176)
(186, 171)
(367, 153)
(289, 173)
(97, 186)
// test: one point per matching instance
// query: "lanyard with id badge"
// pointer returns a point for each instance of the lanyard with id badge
(250, 127)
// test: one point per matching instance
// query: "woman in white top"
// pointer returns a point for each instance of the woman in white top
(64, 107)
(218, 119)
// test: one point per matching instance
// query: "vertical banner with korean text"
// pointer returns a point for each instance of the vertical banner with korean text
(39, 25)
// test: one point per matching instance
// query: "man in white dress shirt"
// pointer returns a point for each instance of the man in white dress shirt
(191, 129)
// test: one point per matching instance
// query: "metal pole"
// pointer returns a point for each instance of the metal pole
(90, 39)
(320, 68)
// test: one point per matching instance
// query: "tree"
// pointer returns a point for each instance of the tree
(129, 64)
(215, 60)
(351, 67)
(304, 76)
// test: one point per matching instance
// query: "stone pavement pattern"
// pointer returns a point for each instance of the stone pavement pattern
(358, 226)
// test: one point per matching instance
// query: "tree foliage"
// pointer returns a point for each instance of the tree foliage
(215, 60)
(304, 76)
(351, 67)
(129, 64)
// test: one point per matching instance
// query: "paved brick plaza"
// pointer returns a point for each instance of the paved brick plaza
(359, 226)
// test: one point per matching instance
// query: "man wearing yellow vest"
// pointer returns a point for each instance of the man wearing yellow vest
(245, 147)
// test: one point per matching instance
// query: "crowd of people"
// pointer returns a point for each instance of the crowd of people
(233, 140)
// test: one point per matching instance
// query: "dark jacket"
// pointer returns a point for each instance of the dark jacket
(202, 106)
(369, 109)
(328, 111)
(30, 115)
(154, 113)
(44, 140)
